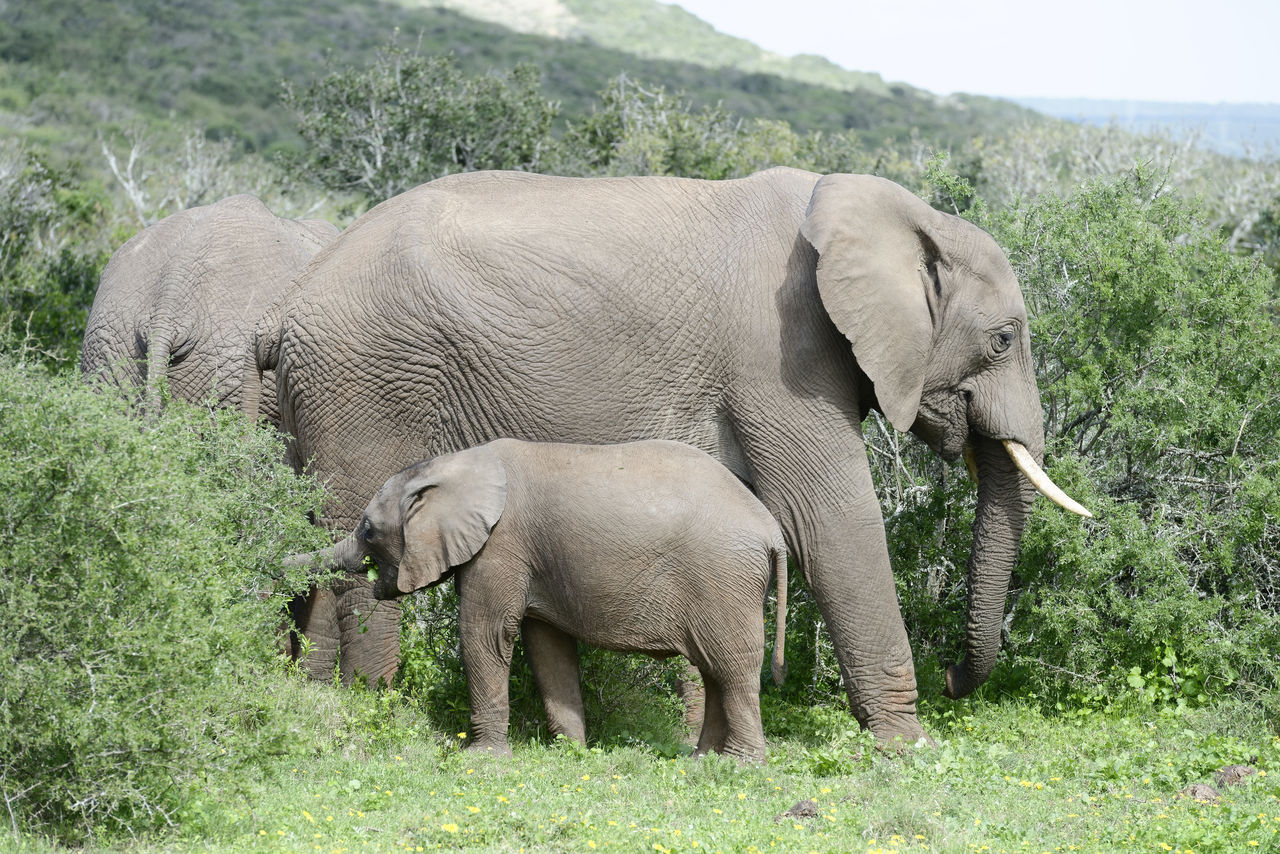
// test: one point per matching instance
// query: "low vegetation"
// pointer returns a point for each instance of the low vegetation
(140, 601)
(142, 701)
(1004, 777)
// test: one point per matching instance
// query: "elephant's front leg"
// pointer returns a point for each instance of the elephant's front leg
(822, 494)
(315, 621)
(553, 655)
(846, 562)
(487, 623)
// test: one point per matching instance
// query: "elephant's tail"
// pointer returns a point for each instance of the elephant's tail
(159, 351)
(262, 355)
(779, 664)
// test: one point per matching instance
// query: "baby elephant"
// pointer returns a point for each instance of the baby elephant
(649, 547)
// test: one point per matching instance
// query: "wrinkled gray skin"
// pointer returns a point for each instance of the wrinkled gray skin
(182, 297)
(758, 319)
(648, 547)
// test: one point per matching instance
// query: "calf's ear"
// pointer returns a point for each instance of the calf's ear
(447, 512)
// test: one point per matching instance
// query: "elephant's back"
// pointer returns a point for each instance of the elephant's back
(680, 496)
(543, 308)
(196, 282)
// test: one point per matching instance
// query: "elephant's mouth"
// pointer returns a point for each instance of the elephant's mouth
(945, 429)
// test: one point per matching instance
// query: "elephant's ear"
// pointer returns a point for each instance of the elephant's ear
(447, 512)
(876, 246)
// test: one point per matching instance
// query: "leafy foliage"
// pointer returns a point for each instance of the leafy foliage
(70, 69)
(1158, 354)
(1155, 347)
(641, 130)
(139, 603)
(408, 118)
(46, 282)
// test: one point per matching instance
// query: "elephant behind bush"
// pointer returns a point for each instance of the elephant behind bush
(180, 299)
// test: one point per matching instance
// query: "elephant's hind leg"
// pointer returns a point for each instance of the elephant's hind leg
(732, 723)
(744, 737)
(692, 696)
(714, 726)
(553, 655)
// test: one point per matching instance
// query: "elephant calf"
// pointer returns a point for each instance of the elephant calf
(649, 547)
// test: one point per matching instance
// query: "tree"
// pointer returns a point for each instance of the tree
(408, 118)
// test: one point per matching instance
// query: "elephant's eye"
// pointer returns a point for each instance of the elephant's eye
(367, 532)
(1002, 340)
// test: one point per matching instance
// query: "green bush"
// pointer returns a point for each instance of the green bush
(1156, 351)
(1157, 357)
(408, 118)
(45, 301)
(635, 129)
(139, 602)
(46, 285)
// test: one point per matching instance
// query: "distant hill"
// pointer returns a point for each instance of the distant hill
(1234, 129)
(657, 30)
(69, 68)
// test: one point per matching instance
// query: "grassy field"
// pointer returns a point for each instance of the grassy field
(1003, 777)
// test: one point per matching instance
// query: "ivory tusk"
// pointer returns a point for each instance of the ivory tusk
(1027, 465)
(971, 463)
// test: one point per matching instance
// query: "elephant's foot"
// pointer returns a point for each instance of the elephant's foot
(490, 747)
(886, 703)
(899, 733)
(489, 732)
(746, 756)
(572, 729)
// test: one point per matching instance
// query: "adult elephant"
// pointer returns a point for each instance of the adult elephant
(759, 319)
(181, 298)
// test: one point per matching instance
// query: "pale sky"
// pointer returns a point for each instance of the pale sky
(1156, 50)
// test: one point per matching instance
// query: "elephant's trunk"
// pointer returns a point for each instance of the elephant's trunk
(346, 556)
(1004, 501)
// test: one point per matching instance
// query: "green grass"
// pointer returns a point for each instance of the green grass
(1003, 777)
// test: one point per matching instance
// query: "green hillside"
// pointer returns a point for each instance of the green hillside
(657, 30)
(662, 31)
(69, 68)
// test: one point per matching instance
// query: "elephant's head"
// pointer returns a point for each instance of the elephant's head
(937, 322)
(426, 520)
